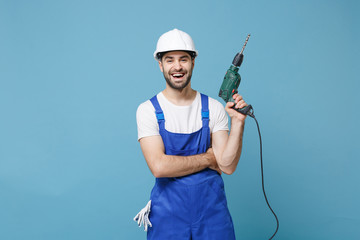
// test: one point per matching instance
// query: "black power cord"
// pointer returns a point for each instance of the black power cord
(251, 114)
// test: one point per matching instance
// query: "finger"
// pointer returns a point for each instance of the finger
(237, 97)
(241, 104)
(229, 105)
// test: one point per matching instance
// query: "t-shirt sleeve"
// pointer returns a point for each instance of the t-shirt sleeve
(146, 120)
(218, 116)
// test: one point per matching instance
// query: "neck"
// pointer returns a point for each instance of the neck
(180, 97)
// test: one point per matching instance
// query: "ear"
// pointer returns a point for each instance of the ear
(161, 66)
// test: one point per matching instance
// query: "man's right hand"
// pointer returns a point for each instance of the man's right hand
(212, 161)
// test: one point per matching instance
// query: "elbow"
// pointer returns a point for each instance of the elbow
(228, 167)
(157, 174)
(228, 170)
(158, 170)
(158, 166)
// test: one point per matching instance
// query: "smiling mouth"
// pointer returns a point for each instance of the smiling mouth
(177, 75)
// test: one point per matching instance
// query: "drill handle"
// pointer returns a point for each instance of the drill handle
(248, 110)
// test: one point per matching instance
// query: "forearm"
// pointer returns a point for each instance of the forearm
(163, 165)
(229, 157)
(177, 166)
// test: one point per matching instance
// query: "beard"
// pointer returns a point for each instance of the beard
(174, 85)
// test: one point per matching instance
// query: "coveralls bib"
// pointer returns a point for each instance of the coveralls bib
(194, 206)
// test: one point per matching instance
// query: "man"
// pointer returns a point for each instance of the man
(185, 141)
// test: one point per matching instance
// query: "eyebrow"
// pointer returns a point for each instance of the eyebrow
(183, 56)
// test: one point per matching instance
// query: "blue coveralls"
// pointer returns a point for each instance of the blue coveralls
(194, 206)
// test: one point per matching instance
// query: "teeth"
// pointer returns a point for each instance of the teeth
(178, 75)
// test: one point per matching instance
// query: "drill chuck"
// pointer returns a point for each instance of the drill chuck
(238, 59)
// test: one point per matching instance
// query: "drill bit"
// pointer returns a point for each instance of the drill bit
(247, 39)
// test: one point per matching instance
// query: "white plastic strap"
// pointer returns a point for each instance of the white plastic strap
(143, 217)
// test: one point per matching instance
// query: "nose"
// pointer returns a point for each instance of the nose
(177, 65)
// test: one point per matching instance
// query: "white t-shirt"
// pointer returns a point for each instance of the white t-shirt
(179, 119)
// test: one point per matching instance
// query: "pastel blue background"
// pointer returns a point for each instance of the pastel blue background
(73, 72)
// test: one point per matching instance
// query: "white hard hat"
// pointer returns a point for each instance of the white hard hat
(175, 40)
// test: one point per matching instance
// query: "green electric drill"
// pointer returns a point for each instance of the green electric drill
(228, 89)
(232, 81)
